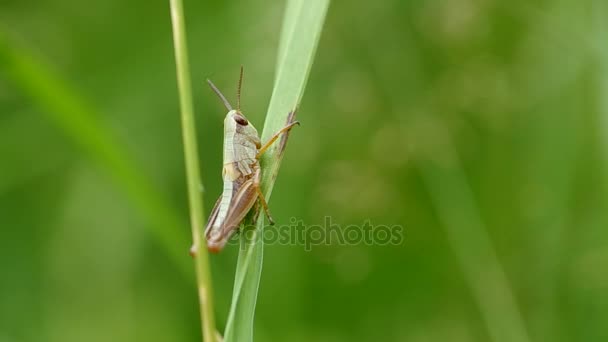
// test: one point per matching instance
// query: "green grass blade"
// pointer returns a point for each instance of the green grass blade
(80, 122)
(302, 25)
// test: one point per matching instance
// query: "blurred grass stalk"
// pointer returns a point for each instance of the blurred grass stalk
(468, 237)
(81, 123)
(599, 35)
(302, 24)
(197, 219)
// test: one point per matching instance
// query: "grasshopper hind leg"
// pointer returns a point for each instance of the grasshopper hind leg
(262, 201)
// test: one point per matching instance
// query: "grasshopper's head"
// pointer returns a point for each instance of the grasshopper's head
(235, 121)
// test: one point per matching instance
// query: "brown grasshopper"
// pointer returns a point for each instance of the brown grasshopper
(241, 173)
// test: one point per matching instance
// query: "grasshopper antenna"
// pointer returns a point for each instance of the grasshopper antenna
(220, 95)
(238, 92)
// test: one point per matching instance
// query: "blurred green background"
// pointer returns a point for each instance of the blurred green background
(480, 126)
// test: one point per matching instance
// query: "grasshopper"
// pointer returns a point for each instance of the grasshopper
(241, 173)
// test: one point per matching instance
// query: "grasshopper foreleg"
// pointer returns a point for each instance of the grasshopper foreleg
(274, 138)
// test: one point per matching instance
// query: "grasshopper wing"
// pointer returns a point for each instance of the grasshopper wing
(213, 215)
(227, 215)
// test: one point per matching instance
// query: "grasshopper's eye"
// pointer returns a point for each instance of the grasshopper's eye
(241, 120)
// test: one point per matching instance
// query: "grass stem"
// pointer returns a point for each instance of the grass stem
(199, 247)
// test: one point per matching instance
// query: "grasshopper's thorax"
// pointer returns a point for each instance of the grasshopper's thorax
(241, 143)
